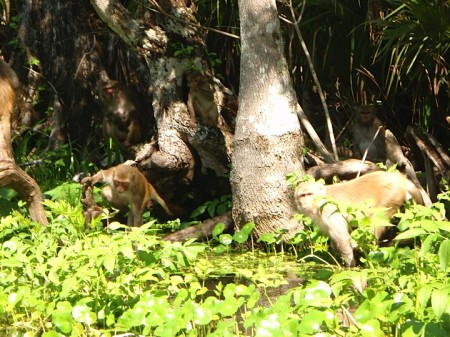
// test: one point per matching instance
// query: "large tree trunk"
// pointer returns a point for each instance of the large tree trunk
(142, 50)
(268, 140)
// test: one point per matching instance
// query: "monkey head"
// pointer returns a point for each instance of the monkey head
(195, 78)
(117, 101)
(365, 114)
(120, 186)
(123, 176)
(308, 195)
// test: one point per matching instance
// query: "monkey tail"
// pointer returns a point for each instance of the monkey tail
(155, 196)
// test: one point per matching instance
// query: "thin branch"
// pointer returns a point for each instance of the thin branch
(313, 135)
(162, 11)
(314, 74)
(367, 150)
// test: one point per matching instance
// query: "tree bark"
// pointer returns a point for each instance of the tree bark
(142, 50)
(14, 177)
(10, 174)
(268, 140)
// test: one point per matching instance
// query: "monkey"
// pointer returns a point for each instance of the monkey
(121, 116)
(369, 133)
(367, 125)
(127, 188)
(379, 189)
(201, 102)
(56, 137)
(6, 72)
(8, 83)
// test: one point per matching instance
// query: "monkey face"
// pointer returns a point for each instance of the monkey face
(120, 186)
(108, 90)
(308, 194)
(366, 114)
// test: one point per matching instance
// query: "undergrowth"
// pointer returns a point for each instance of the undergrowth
(67, 279)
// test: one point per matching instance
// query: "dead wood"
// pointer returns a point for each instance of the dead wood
(344, 170)
(202, 230)
(90, 207)
(433, 155)
(14, 177)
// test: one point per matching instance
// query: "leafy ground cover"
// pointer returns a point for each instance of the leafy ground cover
(69, 280)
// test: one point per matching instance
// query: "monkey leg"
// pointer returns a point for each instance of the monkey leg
(135, 216)
(340, 238)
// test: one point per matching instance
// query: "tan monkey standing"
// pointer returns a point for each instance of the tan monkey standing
(127, 188)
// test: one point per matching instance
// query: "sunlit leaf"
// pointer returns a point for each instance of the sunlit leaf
(83, 314)
(439, 300)
(371, 328)
(423, 296)
(240, 237)
(226, 239)
(409, 234)
(202, 315)
(62, 317)
(218, 229)
(109, 263)
(444, 254)
(311, 322)
(51, 333)
(428, 243)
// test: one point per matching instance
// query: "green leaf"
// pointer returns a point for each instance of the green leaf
(68, 286)
(128, 251)
(444, 254)
(220, 249)
(202, 315)
(444, 225)
(51, 333)
(409, 234)
(82, 313)
(430, 226)
(218, 229)
(211, 209)
(240, 237)
(116, 226)
(371, 329)
(267, 238)
(62, 317)
(248, 228)
(427, 244)
(439, 299)
(226, 239)
(198, 211)
(310, 323)
(365, 312)
(109, 262)
(221, 209)
(423, 296)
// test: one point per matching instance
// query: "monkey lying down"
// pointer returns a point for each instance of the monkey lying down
(379, 189)
(127, 188)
